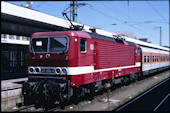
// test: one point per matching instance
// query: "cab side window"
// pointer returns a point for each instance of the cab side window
(138, 51)
(83, 45)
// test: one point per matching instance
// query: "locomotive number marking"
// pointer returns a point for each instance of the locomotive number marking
(48, 71)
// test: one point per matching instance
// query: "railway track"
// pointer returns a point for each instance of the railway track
(25, 108)
(121, 92)
(143, 101)
(75, 107)
(32, 108)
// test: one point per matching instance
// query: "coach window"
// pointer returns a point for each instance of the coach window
(3, 36)
(144, 59)
(147, 58)
(11, 37)
(161, 58)
(157, 59)
(17, 37)
(153, 58)
(83, 45)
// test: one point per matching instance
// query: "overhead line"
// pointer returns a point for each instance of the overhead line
(121, 13)
(137, 14)
(39, 5)
(120, 21)
(125, 13)
(156, 11)
(107, 16)
(104, 14)
(53, 6)
(115, 10)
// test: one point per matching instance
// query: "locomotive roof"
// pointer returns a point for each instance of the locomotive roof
(68, 33)
(106, 38)
(82, 34)
(130, 41)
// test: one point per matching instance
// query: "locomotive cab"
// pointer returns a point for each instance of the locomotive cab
(52, 54)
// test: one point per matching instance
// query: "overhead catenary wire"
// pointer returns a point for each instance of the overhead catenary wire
(39, 5)
(53, 6)
(117, 11)
(124, 15)
(120, 21)
(104, 14)
(156, 10)
(111, 8)
(45, 3)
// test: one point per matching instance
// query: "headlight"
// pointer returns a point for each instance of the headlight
(64, 70)
(58, 70)
(31, 70)
(37, 70)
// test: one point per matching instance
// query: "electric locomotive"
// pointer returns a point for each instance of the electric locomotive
(74, 63)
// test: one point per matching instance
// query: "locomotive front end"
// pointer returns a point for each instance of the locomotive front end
(47, 69)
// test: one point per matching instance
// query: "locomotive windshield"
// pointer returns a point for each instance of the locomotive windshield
(49, 44)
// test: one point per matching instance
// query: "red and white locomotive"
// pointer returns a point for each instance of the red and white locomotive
(67, 63)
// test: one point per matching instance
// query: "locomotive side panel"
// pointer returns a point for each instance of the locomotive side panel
(104, 59)
(84, 57)
(115, 55)
(120, 58)
(73, 51)
(85, 52)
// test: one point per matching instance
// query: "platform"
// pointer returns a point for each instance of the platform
(11, 88)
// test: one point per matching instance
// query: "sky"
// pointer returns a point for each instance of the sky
(143, 18)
